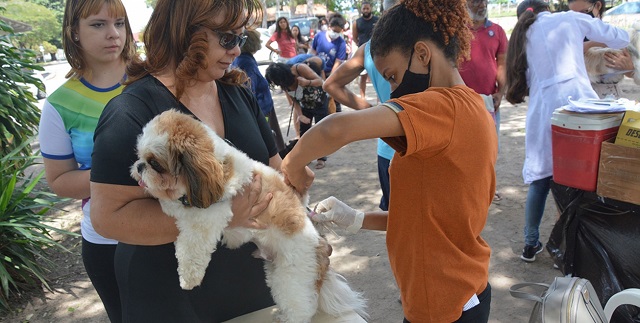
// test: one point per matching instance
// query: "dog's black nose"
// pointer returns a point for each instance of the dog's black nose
(140, 167)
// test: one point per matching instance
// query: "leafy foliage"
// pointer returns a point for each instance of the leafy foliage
(44, 22)
(49, 47)
(24, 237)
(56, 6)
(150, 3)
(19, 116)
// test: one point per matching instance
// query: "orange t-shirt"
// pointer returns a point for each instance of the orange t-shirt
(442, 184)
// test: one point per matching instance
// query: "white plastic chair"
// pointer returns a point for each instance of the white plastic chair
(630, 296)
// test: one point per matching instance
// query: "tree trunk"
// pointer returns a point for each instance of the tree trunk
(263, 3)
(309, 8)
(292, 8)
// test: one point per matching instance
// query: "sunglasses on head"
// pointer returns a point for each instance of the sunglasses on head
(229, 40)
(589, 10)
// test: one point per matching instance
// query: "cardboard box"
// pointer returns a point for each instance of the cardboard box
(629, 132)
(619, 173)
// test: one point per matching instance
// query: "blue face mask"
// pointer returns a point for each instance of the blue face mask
(412, 82)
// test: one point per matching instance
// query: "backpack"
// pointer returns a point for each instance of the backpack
(566, 300)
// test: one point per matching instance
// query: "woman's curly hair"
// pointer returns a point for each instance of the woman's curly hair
(279, 74)
(176, 37)
(445, 22)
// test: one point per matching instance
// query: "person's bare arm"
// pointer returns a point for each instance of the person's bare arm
(354, 32)
(128, 214)
(620, 61)
(304, 46)
(275, 162)
(298, 109)
(65, 179)
(590, 43)
(501, 79)
(331, 134)
(306, 76)
(336, 84)
(268, 45)
(336, 64)
(376, 220)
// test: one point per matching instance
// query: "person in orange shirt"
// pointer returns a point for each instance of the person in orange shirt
(442, 174)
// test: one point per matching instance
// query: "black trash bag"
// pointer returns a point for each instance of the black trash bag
(598, 239)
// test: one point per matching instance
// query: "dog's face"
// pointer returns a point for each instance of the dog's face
(176, 161)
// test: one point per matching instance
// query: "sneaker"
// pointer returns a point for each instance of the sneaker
(529, 252)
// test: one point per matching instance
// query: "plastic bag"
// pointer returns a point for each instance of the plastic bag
(598, 239)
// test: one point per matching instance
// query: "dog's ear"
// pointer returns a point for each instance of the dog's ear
(205, 177)
(633, 48)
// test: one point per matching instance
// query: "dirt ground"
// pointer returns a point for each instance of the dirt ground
(351, 175)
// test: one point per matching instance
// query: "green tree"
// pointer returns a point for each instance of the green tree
(24, 235)
(19, 116)
(333, 5)
(57, 7)
(44, 22)
(561, 5)
(51, 49)
(151, 3)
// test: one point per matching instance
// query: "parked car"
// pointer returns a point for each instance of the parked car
(308, 26)
(264, 55)
(624, 15)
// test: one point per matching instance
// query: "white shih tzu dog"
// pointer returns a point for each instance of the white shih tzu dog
(194, 174)
(596, 63)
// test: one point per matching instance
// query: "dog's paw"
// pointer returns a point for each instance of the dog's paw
(281, 317)
(187, 285)
(233, 238)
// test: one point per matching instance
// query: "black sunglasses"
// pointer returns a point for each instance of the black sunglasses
(589, 10)
(230, 41)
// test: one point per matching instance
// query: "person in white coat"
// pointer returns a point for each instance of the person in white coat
(545, 61)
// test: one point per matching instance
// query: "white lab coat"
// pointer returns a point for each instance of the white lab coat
(557, 71)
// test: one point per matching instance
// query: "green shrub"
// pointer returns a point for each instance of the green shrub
(24, 237)
(19, 116)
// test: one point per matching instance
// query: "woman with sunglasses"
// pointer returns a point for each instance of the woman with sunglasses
(190, 45)
(620, 61)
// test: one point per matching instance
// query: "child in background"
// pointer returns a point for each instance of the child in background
(98, 43)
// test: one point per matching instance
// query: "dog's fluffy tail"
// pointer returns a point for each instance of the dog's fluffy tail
(336, 297)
